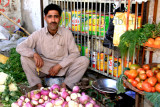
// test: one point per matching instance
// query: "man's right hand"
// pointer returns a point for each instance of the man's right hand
(38, 60)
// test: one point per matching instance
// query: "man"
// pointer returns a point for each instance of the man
(53, 50)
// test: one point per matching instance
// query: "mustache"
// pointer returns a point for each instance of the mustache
(53, 23)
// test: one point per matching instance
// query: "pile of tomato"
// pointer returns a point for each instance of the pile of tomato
(153, 42)
(144, 78)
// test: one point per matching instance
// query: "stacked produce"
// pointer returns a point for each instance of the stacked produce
(13, 67)
(9, 91)
(144, 78)
(55, 96)
(148, 35)
(153, 42)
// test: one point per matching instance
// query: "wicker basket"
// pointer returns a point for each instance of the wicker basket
(129, 85)
(132, 87)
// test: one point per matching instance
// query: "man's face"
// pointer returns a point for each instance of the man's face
(52, 18)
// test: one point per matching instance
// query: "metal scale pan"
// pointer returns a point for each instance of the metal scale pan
(105, 85)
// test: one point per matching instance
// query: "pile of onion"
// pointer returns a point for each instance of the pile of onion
(55, 96)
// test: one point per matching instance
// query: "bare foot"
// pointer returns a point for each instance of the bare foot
(39, 86)
(63, 85)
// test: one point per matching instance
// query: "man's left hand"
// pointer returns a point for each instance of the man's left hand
(54, 70)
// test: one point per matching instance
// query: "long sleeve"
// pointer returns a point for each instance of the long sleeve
(26, 48)
(72, 51)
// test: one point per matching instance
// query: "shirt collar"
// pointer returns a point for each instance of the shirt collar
(59, 32)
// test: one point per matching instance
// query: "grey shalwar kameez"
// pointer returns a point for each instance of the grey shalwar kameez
(58, 49)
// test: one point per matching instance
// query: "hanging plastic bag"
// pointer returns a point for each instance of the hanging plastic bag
(6, 34)
(2, 37)
(120, 22)
(108, 40)
(6, 45)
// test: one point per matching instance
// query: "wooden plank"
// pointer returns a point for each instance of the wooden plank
(137, 100)
(128, 11)
(155, 11)
(143, 55)
(137, 58)
(142, 9)
(150, 57)
(148, 3)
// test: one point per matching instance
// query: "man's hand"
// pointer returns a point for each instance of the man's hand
(38, 60)
(54, 70)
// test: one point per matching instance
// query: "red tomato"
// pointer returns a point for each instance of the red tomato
(157, 87)
(134, 83)
(149, 73)
(153, 69)
(137, 79)
(152, 81)
(126, 72)
(140, 70)
(132, 74)
(158, 76)
(146, 67)
(142, 76)
(153, 89)
(139, 86)
(129, 80)
(146, 80)
(156, 71)
(146, 87)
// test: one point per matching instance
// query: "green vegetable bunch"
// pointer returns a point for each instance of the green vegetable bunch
(9, 92)
(119, 84)
(135, 38)
(13, 67)
(153, 98)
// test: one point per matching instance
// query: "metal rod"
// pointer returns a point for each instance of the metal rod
(88, 41)
(136, 8)
(93, 58)
(142, 9)
(64, 13)
(81, 27)
(100, 56)
(112, 63)
(42, 15)
(147, 11)
(128, 12)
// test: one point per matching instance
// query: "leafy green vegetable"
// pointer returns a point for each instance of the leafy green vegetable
(119, 84)
(135, 38)
(13, 67)
(154, 98)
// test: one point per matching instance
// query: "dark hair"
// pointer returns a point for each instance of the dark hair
(52, 7)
